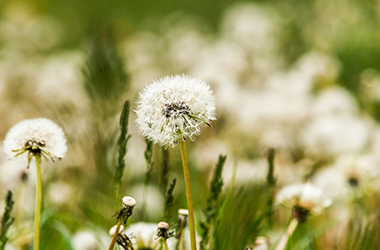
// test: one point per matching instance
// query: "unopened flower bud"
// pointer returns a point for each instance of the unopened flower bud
(183, 212)
(163, 230)
(113, 229)
(129, 201)
(128, 204)
(182, 221)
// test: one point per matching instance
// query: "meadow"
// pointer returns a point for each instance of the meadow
(289, 162)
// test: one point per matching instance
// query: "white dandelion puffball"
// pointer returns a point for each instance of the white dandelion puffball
(39, 135)
(303, 197)
(175, 108)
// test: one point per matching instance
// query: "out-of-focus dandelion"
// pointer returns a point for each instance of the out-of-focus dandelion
(349, 175)
(144, 236)
(172, 110)
(304, 200)
(35, 138)
(125, 212)
(85, 240)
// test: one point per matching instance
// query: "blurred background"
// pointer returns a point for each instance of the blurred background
(302, 77)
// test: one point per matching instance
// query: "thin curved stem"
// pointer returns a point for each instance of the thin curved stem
(180, 247)
(188, 194)
(38, 204)
(115, 234)
(284, 240)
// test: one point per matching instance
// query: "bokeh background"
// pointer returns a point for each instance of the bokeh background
(301, 77)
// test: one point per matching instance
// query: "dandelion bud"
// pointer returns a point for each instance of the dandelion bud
(163, 230)
(128, 204)
(183, 212)
(129, 201)
(113, 229)
(182, 221)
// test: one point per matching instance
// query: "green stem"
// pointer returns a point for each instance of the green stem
(145, 195)
(115, 235)
(188, 194)
(292, 226)
(166, 245)
(38, 204)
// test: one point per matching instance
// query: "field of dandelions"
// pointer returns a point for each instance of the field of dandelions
(278, 103)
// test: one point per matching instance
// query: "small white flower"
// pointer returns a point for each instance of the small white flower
(304, 200)
(175, 108)
(35, 136)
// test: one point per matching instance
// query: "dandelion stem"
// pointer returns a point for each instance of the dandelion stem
(292, 226)
(38, 203)
(166, 244)
(115, 234)
(188, 194)
(180, 246)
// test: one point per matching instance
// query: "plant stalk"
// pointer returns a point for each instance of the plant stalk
(115, 235)
(292, 226)
(180, 246)
(38, 203)
(188, 195)
(166, 244)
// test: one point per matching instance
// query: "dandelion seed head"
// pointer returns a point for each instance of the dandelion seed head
(303, 199)
(175, 108)
(36, 136)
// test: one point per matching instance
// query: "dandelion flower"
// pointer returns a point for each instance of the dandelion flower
(175, 108)
(35, 136)
(304, 200)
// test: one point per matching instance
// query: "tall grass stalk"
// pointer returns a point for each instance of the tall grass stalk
(164, 169)
(148, 154)
(189, 198)
(7, 220)
(122, 144)
(214, 206)
(169, 200)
